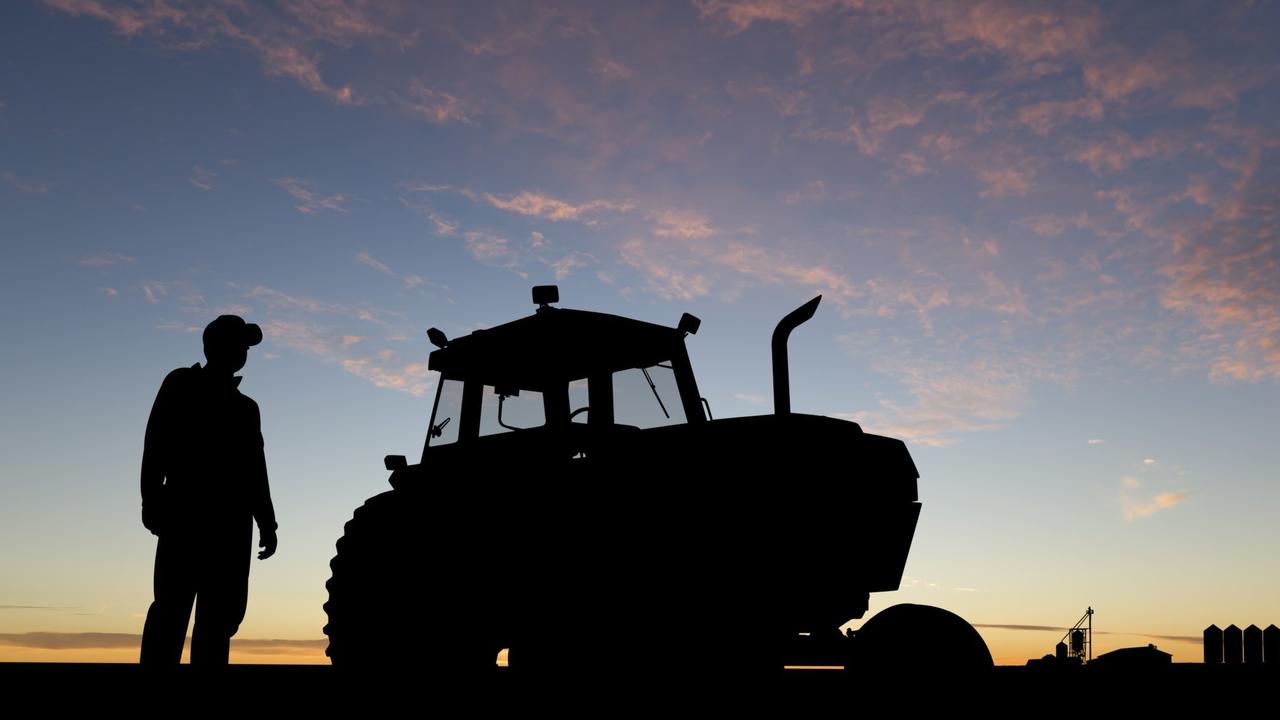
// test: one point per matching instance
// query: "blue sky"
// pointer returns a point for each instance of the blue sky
(1046, 238)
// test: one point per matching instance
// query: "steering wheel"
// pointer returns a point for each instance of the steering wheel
(579, 411)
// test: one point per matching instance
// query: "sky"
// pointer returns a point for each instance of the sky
(1045, 236)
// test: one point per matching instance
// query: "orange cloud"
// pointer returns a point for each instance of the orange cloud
(769, 267)
(1135, 509)
(948, 402)
(544, 206)
(364, 258)
(92, 647)
(1006, 180)
(813, 191)
(664, 272)
(740, 14)
(1025, 32)
(385, 370)
(685, 224)
(310, 202)
(282, 44)
(1043, 117)
(1229, 287)
(1172, 72)
(436, 106)
(1118, 150)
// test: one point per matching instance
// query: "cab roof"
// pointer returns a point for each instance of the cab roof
(554, 346)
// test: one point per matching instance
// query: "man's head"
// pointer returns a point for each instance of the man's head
(227, 341)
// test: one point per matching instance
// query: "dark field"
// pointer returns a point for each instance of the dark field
(1179, 690)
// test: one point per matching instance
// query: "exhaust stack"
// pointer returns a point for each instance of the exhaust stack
(781, 374)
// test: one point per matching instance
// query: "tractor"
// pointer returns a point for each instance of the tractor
(577, 505)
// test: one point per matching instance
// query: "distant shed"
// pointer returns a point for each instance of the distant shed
(1134, 658)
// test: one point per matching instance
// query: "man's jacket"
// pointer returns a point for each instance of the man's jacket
(203, 468)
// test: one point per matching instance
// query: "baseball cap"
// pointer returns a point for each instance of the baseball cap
(232, 331)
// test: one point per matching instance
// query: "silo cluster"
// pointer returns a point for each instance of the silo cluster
(1234, 646)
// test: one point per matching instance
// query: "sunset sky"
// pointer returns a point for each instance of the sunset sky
(1046, 235)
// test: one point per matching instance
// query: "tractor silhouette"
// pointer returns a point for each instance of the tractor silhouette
(577, 504)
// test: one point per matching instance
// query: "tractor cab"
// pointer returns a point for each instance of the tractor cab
(560, 368)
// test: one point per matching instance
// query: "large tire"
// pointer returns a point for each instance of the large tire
(919, 641)
(392, 577)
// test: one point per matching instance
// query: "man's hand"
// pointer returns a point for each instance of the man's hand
(266, 541)
(152, 518)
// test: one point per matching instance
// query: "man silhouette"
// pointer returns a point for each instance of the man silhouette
(204, 483)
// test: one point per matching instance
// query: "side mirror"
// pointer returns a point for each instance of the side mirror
(395, 462)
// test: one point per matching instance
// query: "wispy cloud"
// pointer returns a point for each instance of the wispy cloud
(22, 185)
(310, 202)
(364, 258)
(105, 641)
(565, 266)
(386, 369)
(202, 177)
(1117, 150)
(488, 247)
(1005, 181)
(280, 300)
(812, 192)
(1063, 630)
(71, 641)
(1033, 628)
(683, 224)
(768, 266)
(435, 106)
(104, 259)
(549, 208)
(442, 226)
(288, 44)
(665, 273)
(1135, 508)
(154, 290)
(341, 334)
(1047, 115)
(179, 326)
(1229, 287)
(947, 402)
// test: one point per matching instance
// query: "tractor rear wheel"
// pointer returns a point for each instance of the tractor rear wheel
(388, 559)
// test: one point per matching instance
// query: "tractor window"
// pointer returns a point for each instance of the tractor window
(519, 412)
(578, 400)
(448, 413)
(634, 401)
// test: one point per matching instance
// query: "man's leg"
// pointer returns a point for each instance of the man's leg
(222, 600)
(165, 630)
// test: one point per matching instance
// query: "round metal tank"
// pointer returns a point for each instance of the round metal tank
(1077, 642)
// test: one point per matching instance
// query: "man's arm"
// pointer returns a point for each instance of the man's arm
(155, 456)
(264, 512)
